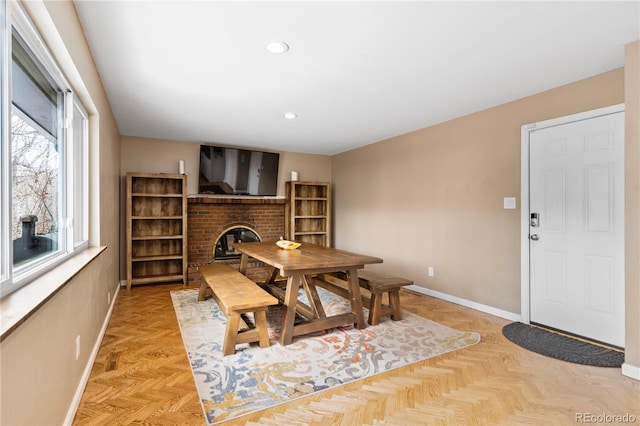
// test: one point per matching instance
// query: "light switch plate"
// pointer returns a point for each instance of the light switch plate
(509, 202)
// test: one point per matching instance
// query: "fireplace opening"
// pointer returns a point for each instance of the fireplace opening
(225, 244)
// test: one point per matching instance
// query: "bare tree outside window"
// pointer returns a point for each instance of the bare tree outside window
(36, 169)
(45, 159)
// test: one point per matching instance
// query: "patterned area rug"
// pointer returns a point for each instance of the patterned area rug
(254, 379)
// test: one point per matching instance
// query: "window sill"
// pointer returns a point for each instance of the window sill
(16, 307)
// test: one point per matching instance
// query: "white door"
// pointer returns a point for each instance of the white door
(576, 206)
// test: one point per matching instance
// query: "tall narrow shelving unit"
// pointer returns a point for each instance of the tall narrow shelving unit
(308, 212)
(156, 228)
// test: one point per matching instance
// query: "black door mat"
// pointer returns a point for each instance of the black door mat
(562, 347)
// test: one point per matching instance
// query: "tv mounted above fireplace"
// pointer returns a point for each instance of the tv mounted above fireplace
(234, 171)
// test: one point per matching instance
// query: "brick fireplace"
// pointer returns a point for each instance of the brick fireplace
(208, 218)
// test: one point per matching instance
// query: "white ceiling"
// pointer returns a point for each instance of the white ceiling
(356, 72)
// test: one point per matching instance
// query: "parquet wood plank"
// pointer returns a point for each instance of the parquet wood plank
(493, 382)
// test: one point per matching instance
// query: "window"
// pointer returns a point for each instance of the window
(44, 180)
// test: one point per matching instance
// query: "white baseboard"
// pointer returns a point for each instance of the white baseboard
(75, 402)
(628, 370)
(631, 371)
(123, 283)
(466, 303)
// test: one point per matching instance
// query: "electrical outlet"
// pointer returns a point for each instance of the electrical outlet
(108, 298)
(430, 271)
(77, 347)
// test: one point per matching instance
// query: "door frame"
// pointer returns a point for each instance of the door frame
(524, 194)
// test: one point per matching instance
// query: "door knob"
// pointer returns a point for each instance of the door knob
(534, 237)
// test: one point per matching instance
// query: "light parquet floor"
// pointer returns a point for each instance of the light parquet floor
(142, 376)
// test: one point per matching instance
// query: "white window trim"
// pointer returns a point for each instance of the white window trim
(84, 179)
(5, 169)
(14, 16)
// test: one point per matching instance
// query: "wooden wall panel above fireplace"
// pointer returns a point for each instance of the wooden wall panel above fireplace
(231, 199)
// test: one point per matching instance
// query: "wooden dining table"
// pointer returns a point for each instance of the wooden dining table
(299, 266)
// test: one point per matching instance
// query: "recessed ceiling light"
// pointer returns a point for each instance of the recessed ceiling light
(277, 47)
(290, 115)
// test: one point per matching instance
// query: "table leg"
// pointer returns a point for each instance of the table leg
(314, 298)
(272, 275)
(244, 262)
(354, 296)
(202, 293)
(290, 302)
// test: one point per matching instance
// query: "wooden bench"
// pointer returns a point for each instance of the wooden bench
(377, 284)
(235, 295)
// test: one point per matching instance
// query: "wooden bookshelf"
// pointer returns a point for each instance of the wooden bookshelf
(308, 212)
(156, 228)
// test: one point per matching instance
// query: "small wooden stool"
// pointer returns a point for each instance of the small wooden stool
(378, 284)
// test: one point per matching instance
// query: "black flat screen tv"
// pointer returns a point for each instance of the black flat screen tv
(235, 171)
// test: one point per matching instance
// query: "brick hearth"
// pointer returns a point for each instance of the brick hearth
(209, 217)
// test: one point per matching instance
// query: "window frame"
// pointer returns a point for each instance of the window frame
(73, 231)
(79, 177)
(5, 153)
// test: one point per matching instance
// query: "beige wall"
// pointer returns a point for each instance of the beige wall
(39, 373)
(434, 197)
(162, 156)
(632, 203)
(442, 186)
